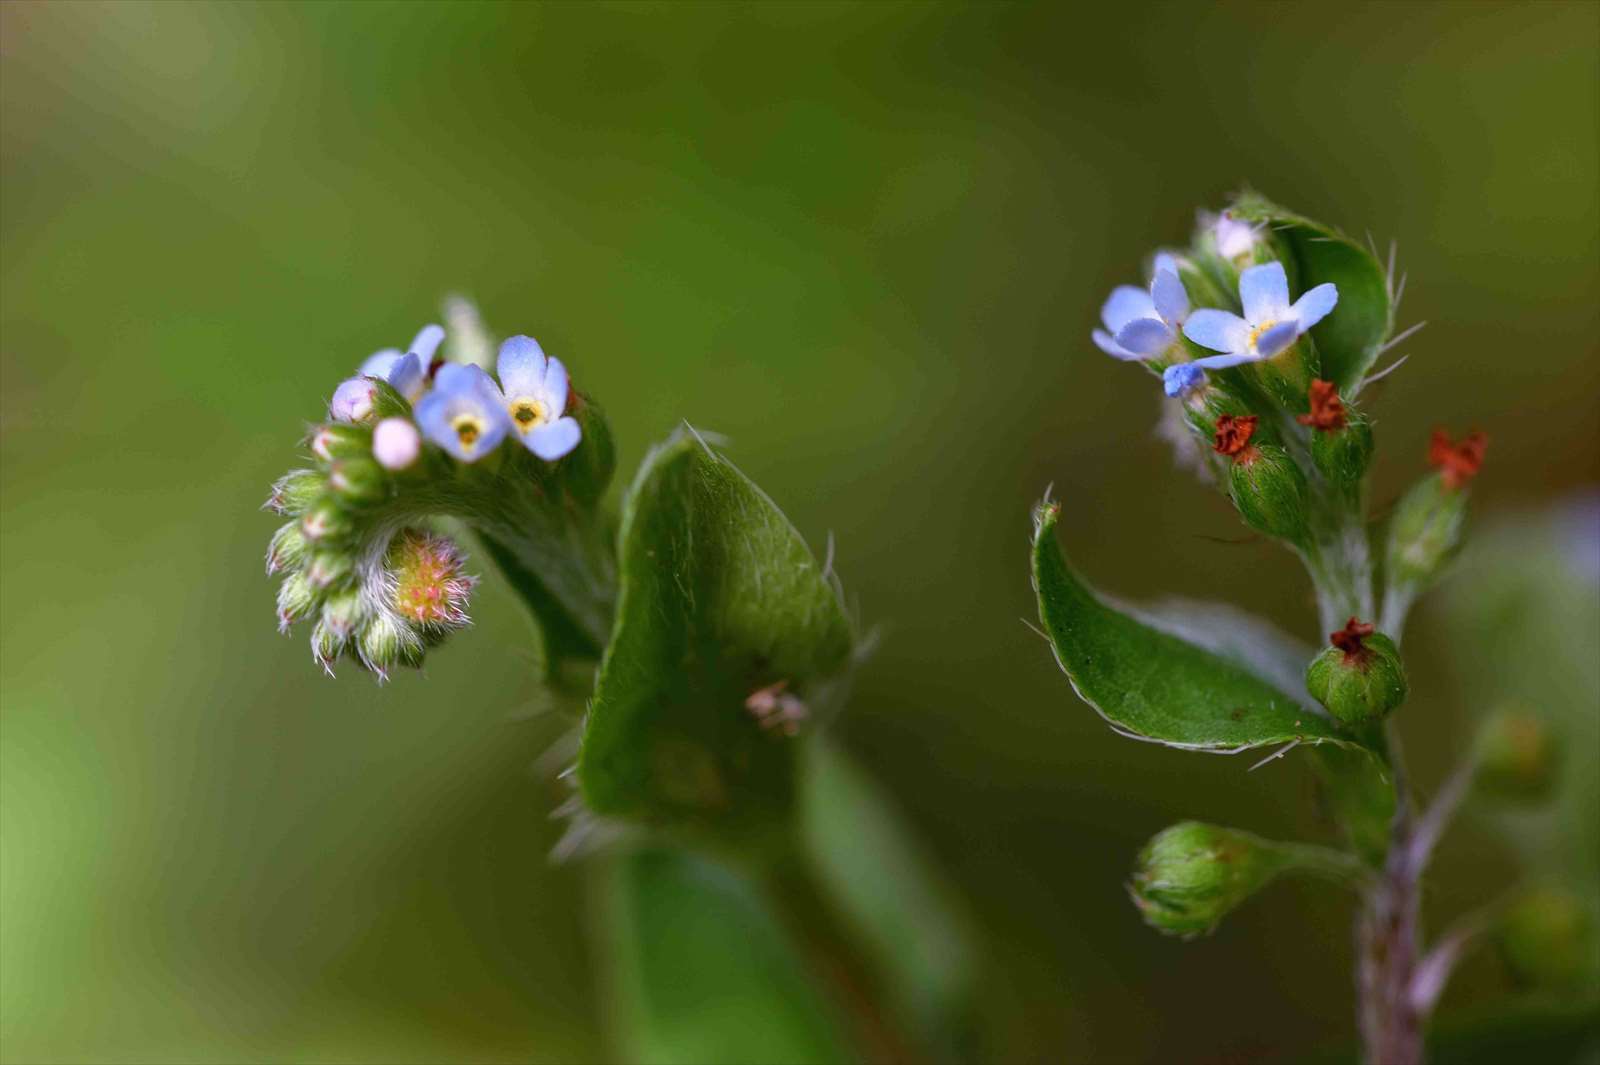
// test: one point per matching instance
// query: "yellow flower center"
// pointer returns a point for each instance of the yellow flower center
(1255, 334)
(468, 428)
(528, 414)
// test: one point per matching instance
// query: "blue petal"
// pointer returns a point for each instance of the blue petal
(1277, 338)
(553, 439)
(555, 385)
(1167, 293)
(1164, 260)
(379, 363)
(1222, 362)
(1217, 330)
(1146, 336)
(454, 377)
(1264, 291)
(521, 366)
(352, 400)
(1103, 341)
(439, 409)
(1124, 305)
(1181, 378)
(1313, 305)
(426, 343)
(408, 378)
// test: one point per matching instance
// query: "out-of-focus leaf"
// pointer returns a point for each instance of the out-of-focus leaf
(1152, 685)
(702, 974)
(893, 898)
(720, 597)
(1350, 338)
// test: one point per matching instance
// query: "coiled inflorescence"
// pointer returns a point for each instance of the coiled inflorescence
(412, 436)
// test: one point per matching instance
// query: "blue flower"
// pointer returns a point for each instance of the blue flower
(535, 396)
(1270, 323)
(1235, 239)
(465, 413)
(1139, 324)
(1181, 378)
(406, 371)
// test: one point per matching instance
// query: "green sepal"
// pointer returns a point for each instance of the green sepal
(1359, 689)
(1343, 455)
(1152, 685)
(1351, 337)
(719, 598)
(1269, 490)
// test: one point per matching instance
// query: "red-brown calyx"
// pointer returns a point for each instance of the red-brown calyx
(1327, 409)
(1233, 437)
(1458, 460)
(1350, 640)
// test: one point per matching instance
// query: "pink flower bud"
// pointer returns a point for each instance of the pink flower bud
(396, 443)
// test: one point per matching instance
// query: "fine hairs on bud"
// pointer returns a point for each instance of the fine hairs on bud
(429, 587)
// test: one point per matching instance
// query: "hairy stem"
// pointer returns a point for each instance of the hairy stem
(830, 948)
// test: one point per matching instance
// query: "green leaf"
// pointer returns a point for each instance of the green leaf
(1349, 339)
(892, 896)
(701, 972)
(1153, 685)
(719, 597)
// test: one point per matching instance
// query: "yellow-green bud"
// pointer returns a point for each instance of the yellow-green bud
(1516, 756)
(388, 642)
(1359, 677)
(344, 612)
(287, 549)
(326, 645)
(296, 598)
(1424, 532)
(294, 492)
(358, 480)
(324, 521)
(328, 567)
(1547, 938)
(340, 440)
(1190, 875)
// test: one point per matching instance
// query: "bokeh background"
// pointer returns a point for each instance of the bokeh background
(865, 242)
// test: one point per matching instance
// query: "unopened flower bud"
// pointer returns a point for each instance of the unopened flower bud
(339, 440)
(296, 598)
(1191, 875)
(294, 492)
(358, 480)
(324, 521)
(1516, 756)
(328, 567)
(353, 400)
(1424, 533)
(1547, 938)
(388, 642)
(287, 549)
(326, 645)
(1267, 487)
(396, 443)
(1359, 677)
(1341, 439)
(343, 612)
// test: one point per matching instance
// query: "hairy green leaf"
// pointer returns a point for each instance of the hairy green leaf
(1349, 339)
(1152, 685)
(720, 598)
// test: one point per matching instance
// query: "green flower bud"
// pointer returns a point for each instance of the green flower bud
(326, 645)
(294, 492)
(296, 599)
(1424, 533)
(328, 567)
(1342, 455)
(1359, 677)
(324, 521)
(1189, 876)
(1287, 376)
(1516, 756)
(1547, 938)
(358, 480)
(287, 550)
(341, 440)
(344, 612)
(388, 642)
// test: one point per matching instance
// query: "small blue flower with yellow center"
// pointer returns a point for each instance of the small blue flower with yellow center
(1141, 325)
(464, 413)
(535, 388)
(1270, 323)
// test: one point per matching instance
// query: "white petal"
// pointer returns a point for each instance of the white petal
(1314, 304)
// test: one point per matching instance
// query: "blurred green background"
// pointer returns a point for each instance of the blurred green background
(867, 243)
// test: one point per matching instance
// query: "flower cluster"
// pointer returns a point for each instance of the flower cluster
(376, 585)
(1152, 327)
